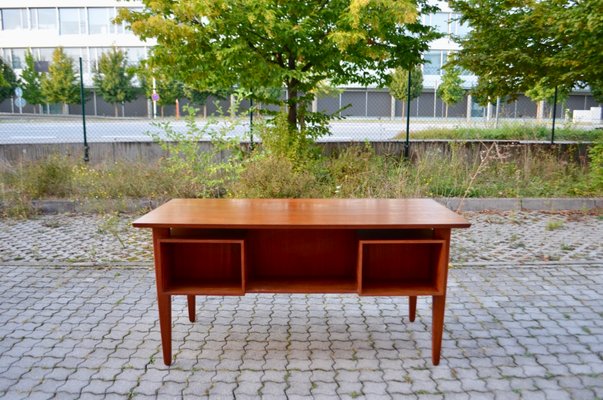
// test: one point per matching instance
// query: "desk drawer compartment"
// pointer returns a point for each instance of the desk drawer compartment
(203, 266)
(401, 267)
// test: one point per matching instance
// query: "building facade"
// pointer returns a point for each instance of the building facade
(85, 29)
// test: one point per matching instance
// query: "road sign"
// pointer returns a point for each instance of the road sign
(19, 92)
(20, 102)
(155, 96)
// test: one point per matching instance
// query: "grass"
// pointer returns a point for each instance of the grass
(353, 172)
(289, 165)
(553, 225)
(508, 132)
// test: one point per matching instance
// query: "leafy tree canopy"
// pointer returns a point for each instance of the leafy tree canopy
(399, 83)
(451, 89)
(8, 80)
(259, 45)
(516, 45)
(60, 84)
(31, 79)
(113, 78)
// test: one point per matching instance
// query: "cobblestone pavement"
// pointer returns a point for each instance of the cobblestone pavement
(68, 330)
(507, 237)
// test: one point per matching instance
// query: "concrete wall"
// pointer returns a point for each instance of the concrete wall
(12, 154)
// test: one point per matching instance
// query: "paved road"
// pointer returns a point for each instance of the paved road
(122, 131)
(524, 321)
(60, 130)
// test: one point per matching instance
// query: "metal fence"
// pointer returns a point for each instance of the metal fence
(366, 114)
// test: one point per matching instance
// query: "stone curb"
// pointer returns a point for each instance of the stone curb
(522, 204)
(468, 204)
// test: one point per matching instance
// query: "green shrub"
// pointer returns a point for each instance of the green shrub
(201, 172)
(595, 154)
(273, 176)
(52, 177)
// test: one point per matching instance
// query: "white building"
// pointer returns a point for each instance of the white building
(84, 29)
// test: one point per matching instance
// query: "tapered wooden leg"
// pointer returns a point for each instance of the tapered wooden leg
(412, 308)
(165, 323)
(191, 307)
(439, 303)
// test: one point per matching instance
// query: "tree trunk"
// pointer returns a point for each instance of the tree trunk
(65, 108)
(446, 110)
(292, 103)
(116, 110)
(539, 110)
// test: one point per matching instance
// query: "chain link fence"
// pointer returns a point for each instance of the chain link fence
(365, 115)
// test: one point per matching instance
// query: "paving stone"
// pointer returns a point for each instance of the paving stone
(523, 319)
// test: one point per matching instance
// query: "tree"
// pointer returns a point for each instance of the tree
(399, 84)
(8, 80)
(31, 79)
(541, 94)
(60, 84)
(451, 89)
(515, 46)
(113, 78)
(170, 90)
(217, 45)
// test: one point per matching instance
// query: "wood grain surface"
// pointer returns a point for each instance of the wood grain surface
(302, 213)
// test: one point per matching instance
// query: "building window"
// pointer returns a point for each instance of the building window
(17, 57)
(99, 21)
(433, 63)
(72, 20)
(14, 18)
(95, 55)
(44, 54)
(135, 55)
(439, 21)
(43, 18)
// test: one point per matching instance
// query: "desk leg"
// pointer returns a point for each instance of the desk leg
(165, 324)
(191, 307)
(439, 303)
(412, 308)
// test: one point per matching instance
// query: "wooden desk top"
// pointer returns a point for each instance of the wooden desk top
(302, 213)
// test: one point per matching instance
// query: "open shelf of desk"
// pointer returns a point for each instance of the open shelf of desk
(407, 267)
(203, 266)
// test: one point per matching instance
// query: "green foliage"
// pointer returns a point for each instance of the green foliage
(113, 78)
(508, 132)
(8, 80)
(355, 171)
(203, 172)
(32, 89)
(544, 93)
(280, 140)
(451, 89)
(275, 176)
(595, 154)
(399, 83)
(60, 84)
(256, 45)
(169, 90)
(515, 46)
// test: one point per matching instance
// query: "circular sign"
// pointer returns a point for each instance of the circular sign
(155, 96)
(19, 92)
(20, 102)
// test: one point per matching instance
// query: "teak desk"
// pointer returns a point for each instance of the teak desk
(373, 247)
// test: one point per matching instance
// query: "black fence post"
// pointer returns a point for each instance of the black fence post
(251, 145)
(83, 99)
(554, 116)
(407, 143)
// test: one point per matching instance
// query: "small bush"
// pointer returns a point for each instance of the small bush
(273, 176)
(52, 177)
